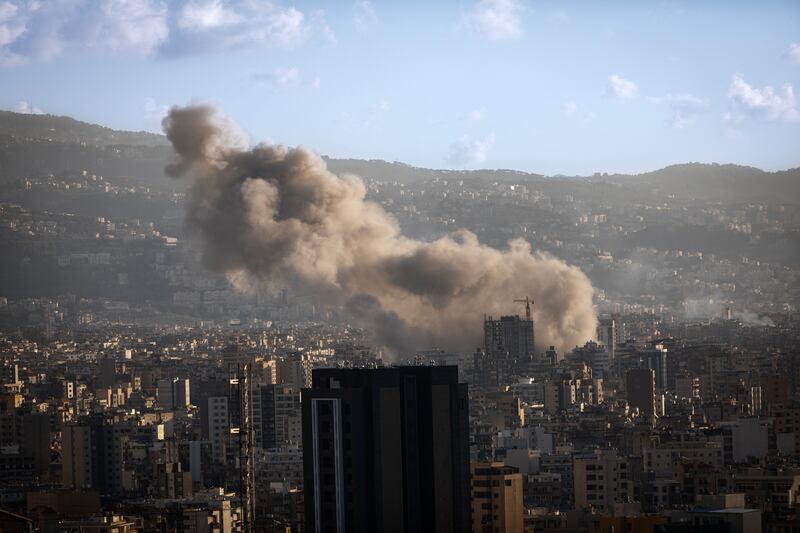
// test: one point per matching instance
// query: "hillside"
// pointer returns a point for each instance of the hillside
(35, 144)
(403, 173)
(716, 182)
(21, 158)
(43, 144)
(66, 129)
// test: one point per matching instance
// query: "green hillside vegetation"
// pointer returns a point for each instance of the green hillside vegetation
(37, 144)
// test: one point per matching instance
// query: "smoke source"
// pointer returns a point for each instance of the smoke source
(272, 216)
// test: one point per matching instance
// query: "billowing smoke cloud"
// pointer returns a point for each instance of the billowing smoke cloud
(275, 216)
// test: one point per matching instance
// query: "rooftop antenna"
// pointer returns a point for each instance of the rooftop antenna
(241, 393)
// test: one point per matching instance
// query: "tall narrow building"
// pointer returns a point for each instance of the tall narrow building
(640, 384)
(277, 412)
(508, 345)
(76, 459)
(386, 450)
(607, 336)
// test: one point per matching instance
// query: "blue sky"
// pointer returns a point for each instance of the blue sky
(546, 86)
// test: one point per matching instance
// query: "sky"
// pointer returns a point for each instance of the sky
(550, 86)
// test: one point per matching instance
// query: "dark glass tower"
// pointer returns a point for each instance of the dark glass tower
(386, 450)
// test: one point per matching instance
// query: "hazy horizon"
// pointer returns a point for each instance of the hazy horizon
(344, 157)
(549, 87)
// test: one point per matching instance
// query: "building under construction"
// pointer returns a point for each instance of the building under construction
(507, 347)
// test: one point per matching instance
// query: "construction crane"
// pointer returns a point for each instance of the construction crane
(528, 303)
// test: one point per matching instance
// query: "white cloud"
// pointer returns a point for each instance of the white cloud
(685, 108)
(199, 16)
(765, 103)
(621, 88)
(570, 107)
(794, 52)
(11, 28)
(467, 152)
(363, 15)
(319, 25)
(243, 24)
(280, 79)
(127, 27)
(36, 30)
(7, 11)
(28, 108)
(153, 111)
(496, 19)
(43, 30)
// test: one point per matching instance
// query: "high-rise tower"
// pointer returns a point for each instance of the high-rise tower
(508, 345)
(386, 450)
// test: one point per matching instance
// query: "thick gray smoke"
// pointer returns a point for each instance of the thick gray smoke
(275, 216)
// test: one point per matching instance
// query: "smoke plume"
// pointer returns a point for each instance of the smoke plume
(272, 216)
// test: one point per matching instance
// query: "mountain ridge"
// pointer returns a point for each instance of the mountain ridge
(32, 144)
(67, 129)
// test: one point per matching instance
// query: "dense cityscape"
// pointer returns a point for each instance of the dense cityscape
(126, 366)
(477, 266)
